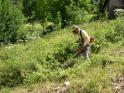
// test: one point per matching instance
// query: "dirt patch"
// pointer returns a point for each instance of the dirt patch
(118, 85)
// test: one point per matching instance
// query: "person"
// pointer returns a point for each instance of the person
(84, 42)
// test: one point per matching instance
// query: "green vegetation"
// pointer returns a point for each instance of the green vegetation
(49, 60)
(37, 46)
(11, 19)
(14, 14)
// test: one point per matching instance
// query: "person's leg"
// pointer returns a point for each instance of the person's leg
(86, 53)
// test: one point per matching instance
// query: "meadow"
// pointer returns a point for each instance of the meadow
(42, 64)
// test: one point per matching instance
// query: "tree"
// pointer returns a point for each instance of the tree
(42, 11)
(53, 10)
(28, 9)
(11, 19)
(99, 4)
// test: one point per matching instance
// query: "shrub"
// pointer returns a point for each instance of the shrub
(99, 44)
(11, 74)
(11, 19)
(119, 28)
(117, 34)
(60, 57)
(112, 37)
(48, 29)
(22, 33)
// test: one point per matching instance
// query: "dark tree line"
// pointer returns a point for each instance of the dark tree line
(14, 13)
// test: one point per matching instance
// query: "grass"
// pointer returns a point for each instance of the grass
(45, 63)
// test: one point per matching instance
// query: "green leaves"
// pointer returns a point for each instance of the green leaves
(11, 19)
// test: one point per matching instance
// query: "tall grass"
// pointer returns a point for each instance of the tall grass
(50, 59)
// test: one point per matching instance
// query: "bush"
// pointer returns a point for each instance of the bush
(14, 73)
(60, 57)
(119, 29)
(22, 33)
(48, 29)
(11, 74)
(99, 43)
(11, 19)
(117, 34)
(112, 37)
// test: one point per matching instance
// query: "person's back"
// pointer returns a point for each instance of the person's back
(85, 36)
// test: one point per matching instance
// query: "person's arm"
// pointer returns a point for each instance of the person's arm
(79, 50)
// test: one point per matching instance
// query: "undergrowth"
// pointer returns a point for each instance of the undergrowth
(50, 59)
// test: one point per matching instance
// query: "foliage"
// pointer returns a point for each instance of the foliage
(59, 12)
(118, 33)
(11, 75)
(99, 8)
(48, 29)
(50, 59)
(11, 19)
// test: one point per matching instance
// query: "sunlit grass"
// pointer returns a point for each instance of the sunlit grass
(49, 60)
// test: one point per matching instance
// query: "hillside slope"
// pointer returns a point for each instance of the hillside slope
(43, 65)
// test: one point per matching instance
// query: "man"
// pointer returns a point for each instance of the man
(84, 41)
